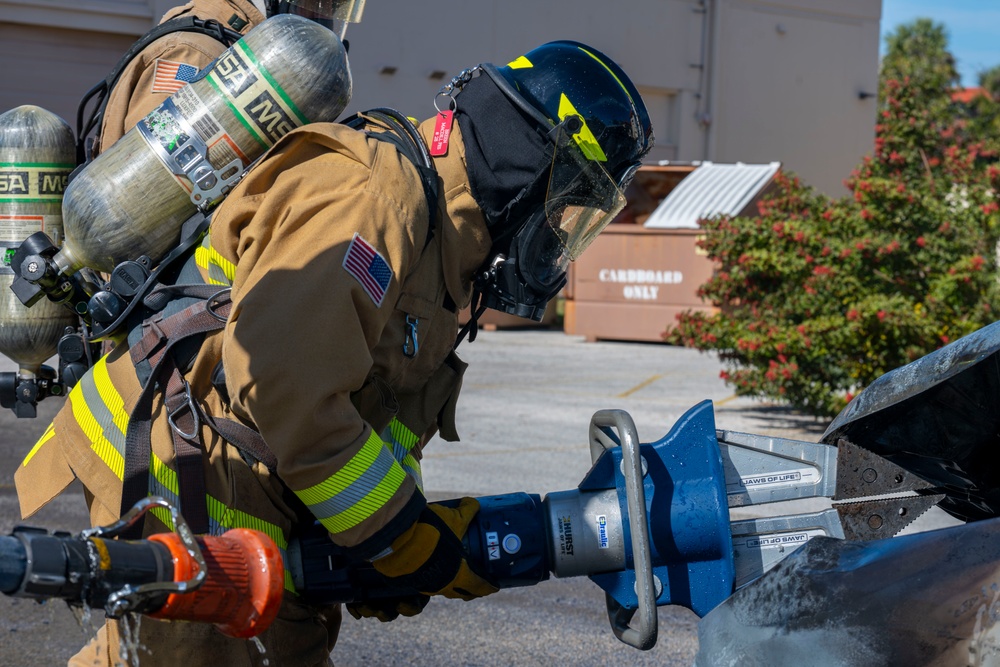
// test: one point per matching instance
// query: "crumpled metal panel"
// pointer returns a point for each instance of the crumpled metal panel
(924, 599)
(938, 417)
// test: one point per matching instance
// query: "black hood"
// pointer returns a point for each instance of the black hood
(507, 155)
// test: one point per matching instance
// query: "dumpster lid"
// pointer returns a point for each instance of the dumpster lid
(711, 189)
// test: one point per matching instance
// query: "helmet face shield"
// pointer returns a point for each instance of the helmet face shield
(582, 196)
(542, 259)
(333, 14)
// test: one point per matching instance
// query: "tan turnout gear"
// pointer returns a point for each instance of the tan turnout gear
(345, 378)
(136, 93)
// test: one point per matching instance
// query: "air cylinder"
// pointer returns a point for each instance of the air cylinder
(37, 154)
(189, 152)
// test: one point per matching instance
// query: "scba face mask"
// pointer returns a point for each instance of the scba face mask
(581, 200)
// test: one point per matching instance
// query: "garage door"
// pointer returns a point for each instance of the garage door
(53, 68)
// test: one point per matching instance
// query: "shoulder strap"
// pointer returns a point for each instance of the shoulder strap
(403, 134)
(211, 27)
(184, 415)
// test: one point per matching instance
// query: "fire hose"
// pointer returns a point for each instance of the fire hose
(234, 581)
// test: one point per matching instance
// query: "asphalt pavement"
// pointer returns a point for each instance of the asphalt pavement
(523, 418)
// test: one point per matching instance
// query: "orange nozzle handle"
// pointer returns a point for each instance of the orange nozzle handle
(243, 587)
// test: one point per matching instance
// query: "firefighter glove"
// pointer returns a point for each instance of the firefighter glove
(389, 609)
(429, 556)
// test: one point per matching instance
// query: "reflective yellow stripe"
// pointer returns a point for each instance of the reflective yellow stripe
(370, 504)
(94, 432)
(401, 440)
(585, 139)
(164, 475)
(403, 435)
(208, 258)
(225, 517)
(343, 478)
(358, 490)
(112, 399)
(166, 480)
(49, 432)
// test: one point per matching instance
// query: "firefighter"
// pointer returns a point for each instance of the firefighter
(171, 60)
(342, 261)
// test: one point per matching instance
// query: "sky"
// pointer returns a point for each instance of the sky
(973, 28)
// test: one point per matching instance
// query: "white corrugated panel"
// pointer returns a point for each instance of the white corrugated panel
(711, 189)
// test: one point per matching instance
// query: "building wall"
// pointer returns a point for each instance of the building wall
(724, 80)
(54, 51)
(787, 79)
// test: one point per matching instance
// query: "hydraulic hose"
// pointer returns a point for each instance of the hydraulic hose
(234, 581)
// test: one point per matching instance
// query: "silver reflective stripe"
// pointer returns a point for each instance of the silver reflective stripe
(356, 493)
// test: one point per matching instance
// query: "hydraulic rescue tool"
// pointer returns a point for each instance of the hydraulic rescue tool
(649, 524)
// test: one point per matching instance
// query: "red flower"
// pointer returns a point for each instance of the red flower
(881, 315)
(853, 314)
(921, 241)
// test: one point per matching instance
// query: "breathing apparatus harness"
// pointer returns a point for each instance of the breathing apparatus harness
(212, 28)
(166, 332)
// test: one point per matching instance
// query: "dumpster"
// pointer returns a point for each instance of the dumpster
(646, 267)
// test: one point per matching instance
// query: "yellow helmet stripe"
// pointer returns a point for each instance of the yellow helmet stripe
(585, 138)
(611, 72)
(520, 63)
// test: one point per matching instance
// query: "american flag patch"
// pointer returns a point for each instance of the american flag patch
(369, 267)
(169, 77)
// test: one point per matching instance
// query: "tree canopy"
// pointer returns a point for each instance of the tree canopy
(817, 296)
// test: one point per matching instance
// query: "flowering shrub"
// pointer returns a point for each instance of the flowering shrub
(818, 297)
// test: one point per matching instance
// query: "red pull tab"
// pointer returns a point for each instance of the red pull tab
(442, 133)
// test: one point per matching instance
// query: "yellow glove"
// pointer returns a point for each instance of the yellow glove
(429, 556)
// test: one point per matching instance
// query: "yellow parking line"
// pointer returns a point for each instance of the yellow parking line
(639, 386)
(726, 400)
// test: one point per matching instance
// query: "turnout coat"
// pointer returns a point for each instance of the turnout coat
(338, 349)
